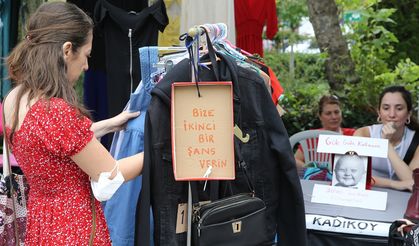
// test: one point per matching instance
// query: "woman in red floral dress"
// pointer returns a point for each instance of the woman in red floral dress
(50, 134)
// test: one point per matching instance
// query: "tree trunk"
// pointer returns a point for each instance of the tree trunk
(339, 65)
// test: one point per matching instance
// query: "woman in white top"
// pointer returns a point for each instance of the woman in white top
(398, 125)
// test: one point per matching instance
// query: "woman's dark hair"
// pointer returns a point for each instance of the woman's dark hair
(327, 99)
(37, 62)
(407, 97)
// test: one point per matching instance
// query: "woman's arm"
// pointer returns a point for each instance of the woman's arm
(394, 184)
(362, 132)
(113, 124)
(94, 159)
(299, 158)
(402, 170)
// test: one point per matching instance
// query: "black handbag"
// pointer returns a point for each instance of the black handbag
(236, 220)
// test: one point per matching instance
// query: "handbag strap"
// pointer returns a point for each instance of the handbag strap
(93, 232)
(412, 148)
(7, 169)
(243, 165)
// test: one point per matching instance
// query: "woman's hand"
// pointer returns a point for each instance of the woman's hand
(402, 185)
(119, 122)
(388, 130)
(113, 124)
(405, 227)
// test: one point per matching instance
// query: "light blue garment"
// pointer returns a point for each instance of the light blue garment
(120, 209)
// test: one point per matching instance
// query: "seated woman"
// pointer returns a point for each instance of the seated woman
(330, 117)
(398, 125)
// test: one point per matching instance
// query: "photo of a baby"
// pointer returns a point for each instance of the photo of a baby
(350, 171)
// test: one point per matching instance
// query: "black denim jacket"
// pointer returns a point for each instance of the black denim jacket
(268, 155)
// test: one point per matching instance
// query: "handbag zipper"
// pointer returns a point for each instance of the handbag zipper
(197, 208)
(214, 209)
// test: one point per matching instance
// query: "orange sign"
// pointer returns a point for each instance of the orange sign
(202, 131)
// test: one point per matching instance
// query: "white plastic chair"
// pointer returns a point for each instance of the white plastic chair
(308, 141)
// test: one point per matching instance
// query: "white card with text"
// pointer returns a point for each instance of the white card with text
(340, 144)
(343, 196)
(345, 225)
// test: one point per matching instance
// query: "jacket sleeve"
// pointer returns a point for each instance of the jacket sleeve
(142, 225)
(291, 214)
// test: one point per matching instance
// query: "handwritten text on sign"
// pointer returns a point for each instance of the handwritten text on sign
(340, 144)
(343, 196)
(202, 131)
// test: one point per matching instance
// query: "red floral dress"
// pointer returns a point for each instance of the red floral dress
(59, 205)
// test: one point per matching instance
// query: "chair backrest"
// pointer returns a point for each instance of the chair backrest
(308, 141)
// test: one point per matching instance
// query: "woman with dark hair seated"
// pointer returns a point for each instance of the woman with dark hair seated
(398, 125)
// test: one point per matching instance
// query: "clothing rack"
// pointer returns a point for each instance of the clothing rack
(217, 31)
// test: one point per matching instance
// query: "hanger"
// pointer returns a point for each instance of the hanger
(239, 134)
(197, 31)
(171, 48)
(219, 38)
(168, 53)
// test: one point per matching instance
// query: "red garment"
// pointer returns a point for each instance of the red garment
(277, 89)
(59, 205)
(250, 17)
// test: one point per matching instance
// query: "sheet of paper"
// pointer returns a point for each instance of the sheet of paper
(335, 195)
(340, 144)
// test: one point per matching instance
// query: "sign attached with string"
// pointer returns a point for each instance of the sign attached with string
(202, 131)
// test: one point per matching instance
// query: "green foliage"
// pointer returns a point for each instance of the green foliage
(301, 93)
(406, 29)
(308, 69)
(290, 14)
(362, 103)
(405, 73)
(79, 87)
(374, 49)
(371, 45)
(355, 4)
